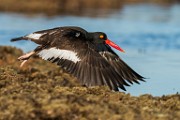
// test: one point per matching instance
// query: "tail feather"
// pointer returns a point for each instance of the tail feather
(17, 39)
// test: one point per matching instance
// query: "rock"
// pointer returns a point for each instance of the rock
(41, 90)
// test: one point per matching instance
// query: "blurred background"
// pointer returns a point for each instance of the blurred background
(148, 30)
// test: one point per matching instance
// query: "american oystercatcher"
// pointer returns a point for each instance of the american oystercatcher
(86, 55)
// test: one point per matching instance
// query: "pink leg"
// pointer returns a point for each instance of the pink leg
(25, 57)
(23, 62)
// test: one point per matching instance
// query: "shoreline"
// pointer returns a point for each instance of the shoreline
(74, 7)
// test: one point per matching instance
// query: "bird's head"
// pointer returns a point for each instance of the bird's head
(100, 37)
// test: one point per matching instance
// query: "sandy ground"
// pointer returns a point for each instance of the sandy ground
(42, 91)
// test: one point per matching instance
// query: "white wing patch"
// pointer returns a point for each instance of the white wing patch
(59, 53)
(77, 34)
(35, 35)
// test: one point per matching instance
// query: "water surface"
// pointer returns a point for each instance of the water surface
(149, 34)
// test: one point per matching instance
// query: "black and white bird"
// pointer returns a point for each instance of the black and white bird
(86, 55)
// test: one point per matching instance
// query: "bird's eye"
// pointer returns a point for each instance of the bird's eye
(101, 36)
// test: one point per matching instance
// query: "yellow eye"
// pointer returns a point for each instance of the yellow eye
(101, 36)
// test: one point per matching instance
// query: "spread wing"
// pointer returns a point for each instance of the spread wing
(120, 66)
(53, 35)
(89, 66)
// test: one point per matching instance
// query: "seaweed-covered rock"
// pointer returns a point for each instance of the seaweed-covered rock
(41, 90)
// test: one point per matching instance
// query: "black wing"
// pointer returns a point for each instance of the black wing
(120, 66)
(50, 36)
(84, 62)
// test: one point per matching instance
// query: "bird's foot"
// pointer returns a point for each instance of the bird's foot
(25, 57)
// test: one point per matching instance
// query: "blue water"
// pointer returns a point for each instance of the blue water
(149, 34)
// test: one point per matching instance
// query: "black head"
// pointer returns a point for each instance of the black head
(98, 37)
(101, 38)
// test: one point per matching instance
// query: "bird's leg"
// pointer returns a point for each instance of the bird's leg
(26, 57)
(23, 62)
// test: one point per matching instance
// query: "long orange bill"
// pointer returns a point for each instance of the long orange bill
(112, 44)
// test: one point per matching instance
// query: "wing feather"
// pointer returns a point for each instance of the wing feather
(122, 69)
(93, 68)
